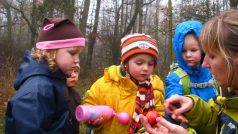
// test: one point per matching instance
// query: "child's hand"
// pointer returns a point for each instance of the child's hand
(96, 122)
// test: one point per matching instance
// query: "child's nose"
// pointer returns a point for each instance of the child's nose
(188, 53)
(73, 74)
(76, 60)
(145, 67)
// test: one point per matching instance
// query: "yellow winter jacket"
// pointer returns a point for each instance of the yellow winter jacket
(119, 93)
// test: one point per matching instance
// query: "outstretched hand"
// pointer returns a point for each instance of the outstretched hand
(162, 127)
(177, 105)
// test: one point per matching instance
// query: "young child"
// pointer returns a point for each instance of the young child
(40, 104)
(219, 39)
(189, 77)
(74, 97)
(129, 87)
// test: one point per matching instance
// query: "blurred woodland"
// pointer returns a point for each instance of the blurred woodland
(103, 23)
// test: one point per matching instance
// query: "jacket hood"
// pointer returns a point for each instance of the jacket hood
(182, 29)
(113, 73)
(31, 67)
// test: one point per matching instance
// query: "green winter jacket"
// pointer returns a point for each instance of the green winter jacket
(219, 115)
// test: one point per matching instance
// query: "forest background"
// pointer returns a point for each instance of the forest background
(103, 23)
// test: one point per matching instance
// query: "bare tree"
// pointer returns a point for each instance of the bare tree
(84, 17)
(116, 38)
(128, 29)
(207, 8)
(133, 20)
(92, 36)
(33, 29)
(122, 17)
(233, 3)
(140, 17)
(34, 16)
(69, 8)
(170, 27)
(9, 20)
(156, 20)
(20, 21)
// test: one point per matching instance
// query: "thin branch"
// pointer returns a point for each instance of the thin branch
(24, 17)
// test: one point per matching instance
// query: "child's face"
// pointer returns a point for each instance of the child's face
(71, 81)
(141, 66)
(191, 51)
(67, 58)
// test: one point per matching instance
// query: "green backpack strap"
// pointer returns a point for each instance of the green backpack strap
(218, 89)
(184, 79)
(187, 85)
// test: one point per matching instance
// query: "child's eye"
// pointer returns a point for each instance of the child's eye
(139, 63)
(151, 64)
(194, 50)
(72, 53)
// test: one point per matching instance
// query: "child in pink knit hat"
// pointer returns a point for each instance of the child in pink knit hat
(40, 104)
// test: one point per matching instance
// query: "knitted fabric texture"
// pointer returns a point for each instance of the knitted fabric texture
(138, 43)
(59, 33)
(144, 103)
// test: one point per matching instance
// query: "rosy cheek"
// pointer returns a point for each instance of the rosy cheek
(134, 71)
(67, 66)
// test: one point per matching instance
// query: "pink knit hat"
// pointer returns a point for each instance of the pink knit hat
(59, 33)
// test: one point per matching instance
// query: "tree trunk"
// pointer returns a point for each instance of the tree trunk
(69, 9)
(9, 21)
(207, 8)
(146, 17)
(233, 4)
(122, 18)
(33, 21)
(116, 38)
(170, 28)
(130, 12)
(128, 29)
(93, 36)
(84, 18)
(133, 20)
(156, 22)
(140, 21)
(49, 6)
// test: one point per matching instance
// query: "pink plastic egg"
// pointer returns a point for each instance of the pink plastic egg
(123, 117)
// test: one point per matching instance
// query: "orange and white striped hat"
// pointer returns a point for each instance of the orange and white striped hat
(138, 43)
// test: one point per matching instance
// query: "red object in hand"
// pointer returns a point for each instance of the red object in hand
(151, 116)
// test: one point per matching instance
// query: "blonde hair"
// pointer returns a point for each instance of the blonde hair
(193, 35)
(47, 55)
(220, 36)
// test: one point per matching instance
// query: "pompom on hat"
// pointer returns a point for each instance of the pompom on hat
(59, 33)
(136, 44)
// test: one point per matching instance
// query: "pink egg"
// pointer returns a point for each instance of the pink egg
(123, 117)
